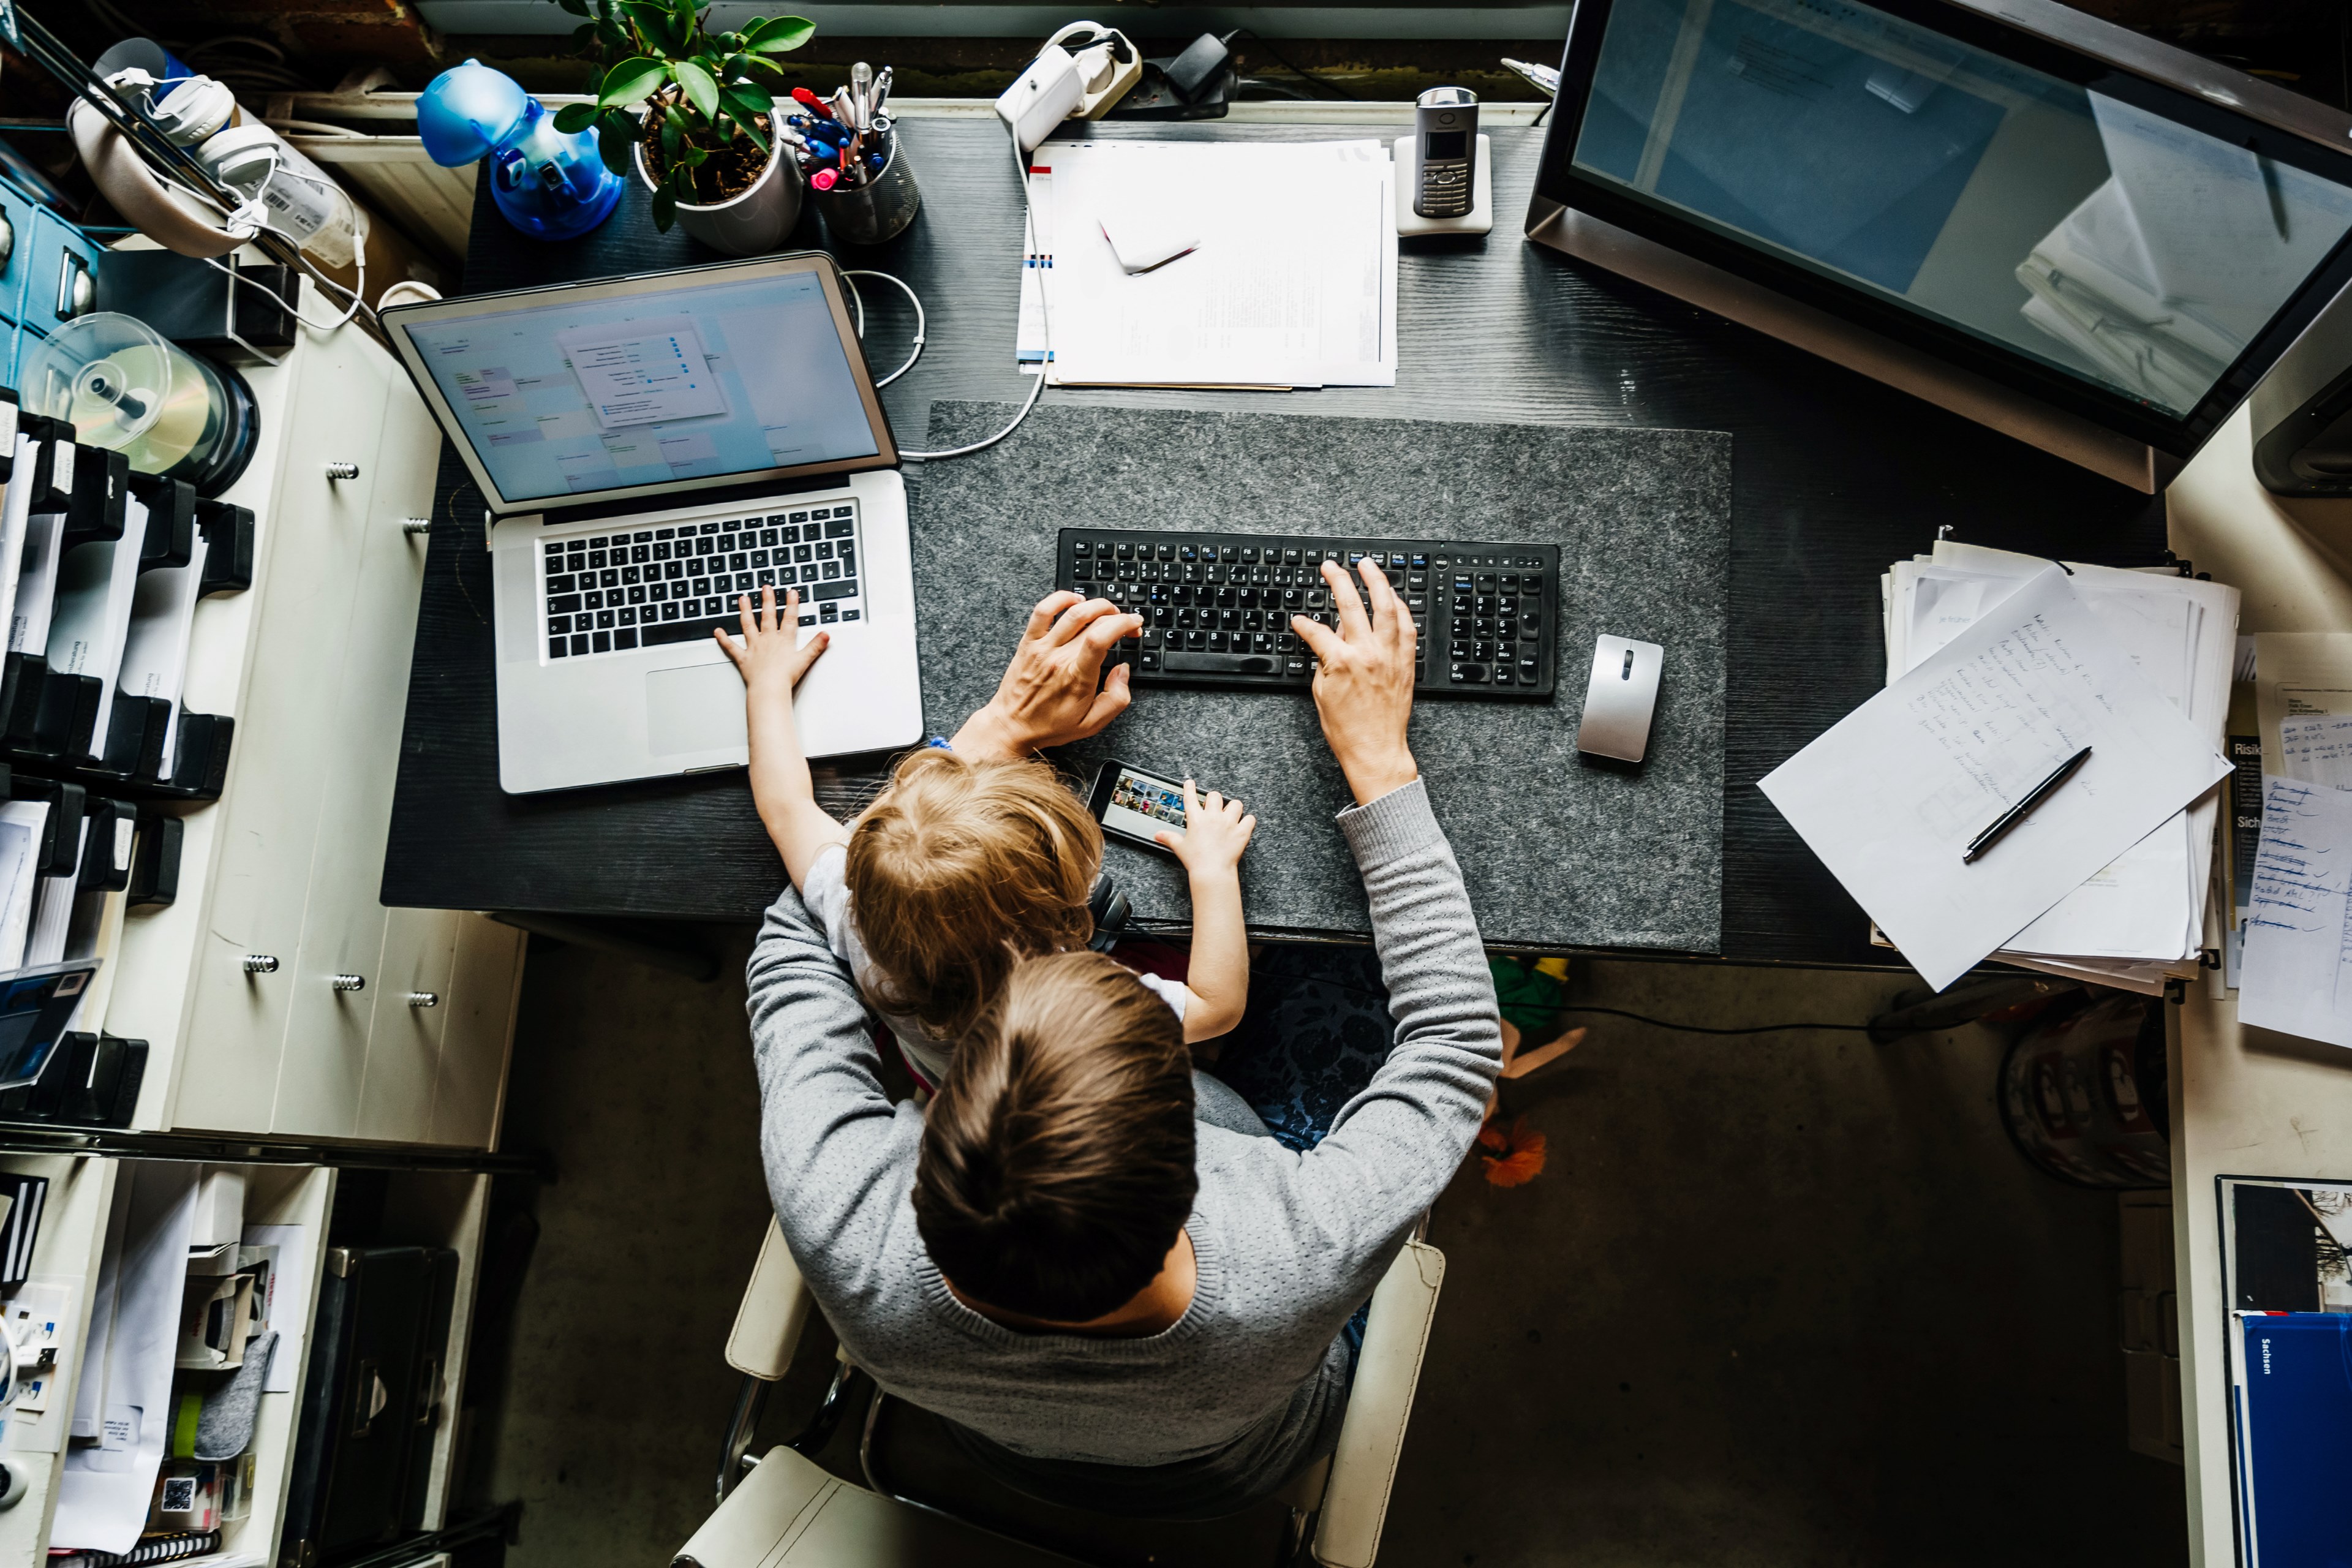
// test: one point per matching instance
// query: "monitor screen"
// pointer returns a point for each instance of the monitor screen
(570, 395)
(2069, 224)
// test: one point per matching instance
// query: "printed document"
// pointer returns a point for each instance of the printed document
(1292, 282)
(1890, 797)
(2297, 972)
(105, 1487)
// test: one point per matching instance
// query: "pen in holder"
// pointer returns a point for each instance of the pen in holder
(878, 208)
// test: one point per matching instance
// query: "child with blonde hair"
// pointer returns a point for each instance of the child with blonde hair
(965, 865)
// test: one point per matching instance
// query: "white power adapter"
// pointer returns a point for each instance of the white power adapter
(1042, 96)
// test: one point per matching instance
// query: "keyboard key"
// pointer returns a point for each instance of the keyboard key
(601, 642)
(598, 542)
(579, 644)
(778, 517)
(1469, 675)
(1189, 663)
(849, 615)
(623, 640)
(798, 517)
(829, 612)
(558, 646)
(664, 533)
(1527, 669)
(840, 528)
(563, 603)
(842, 590)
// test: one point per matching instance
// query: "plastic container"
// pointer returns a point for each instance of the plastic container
(547, 185)
(879, 210)
(125, 388)
(297, 198)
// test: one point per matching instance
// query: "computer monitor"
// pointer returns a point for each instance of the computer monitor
(2095, 242)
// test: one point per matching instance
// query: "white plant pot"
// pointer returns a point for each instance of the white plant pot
(753, 222)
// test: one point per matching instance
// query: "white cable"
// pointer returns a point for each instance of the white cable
(1045, 323)
(251, 213)
(912, 298)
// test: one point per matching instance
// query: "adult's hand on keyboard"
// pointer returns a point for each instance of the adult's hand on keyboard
(1053, 691)
(1363, 681)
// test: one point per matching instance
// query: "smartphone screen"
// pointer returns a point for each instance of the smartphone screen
(1445, 146)
(1136, 804)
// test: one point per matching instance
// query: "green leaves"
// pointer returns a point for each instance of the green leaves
(700, 87)
(632, 81)
(616, 141)
(684, 87)
(745, 101)
(778, 35)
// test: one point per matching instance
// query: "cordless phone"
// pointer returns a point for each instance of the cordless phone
(1446, 134)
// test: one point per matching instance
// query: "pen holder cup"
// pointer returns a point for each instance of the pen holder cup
(879, 210)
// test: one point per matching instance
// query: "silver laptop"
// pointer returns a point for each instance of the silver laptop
(652, 448)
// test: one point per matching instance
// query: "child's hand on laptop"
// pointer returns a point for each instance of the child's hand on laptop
(1216, 832)
(771, 654)
(773, 659)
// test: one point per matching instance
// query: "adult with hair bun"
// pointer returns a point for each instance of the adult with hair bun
(1118, 1289)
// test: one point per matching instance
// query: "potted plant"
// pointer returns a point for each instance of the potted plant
(680, 107)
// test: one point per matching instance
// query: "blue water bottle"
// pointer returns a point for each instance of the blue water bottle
(548, 184)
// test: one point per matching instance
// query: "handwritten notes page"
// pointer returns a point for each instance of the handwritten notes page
(2316, 748)
(1891, 795)
(2299, 926)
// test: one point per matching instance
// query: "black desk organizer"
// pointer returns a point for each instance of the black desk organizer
(49, 720)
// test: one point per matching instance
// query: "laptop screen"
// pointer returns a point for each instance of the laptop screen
(615, 389)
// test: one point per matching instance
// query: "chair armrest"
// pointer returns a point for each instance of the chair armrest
(1371, 1434)
(774, 1309)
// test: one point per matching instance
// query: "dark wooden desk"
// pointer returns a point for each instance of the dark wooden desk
(1834, 477)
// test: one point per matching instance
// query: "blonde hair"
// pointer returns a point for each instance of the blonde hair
(960, 870)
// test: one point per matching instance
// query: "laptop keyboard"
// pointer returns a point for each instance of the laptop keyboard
(642, 587)
(1216, 607)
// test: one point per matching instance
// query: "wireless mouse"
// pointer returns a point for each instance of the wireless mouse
(1619, 699)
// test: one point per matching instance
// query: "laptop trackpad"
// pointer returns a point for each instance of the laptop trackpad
(698, 708)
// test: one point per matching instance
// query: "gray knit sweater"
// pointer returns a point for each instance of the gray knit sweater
(1252, 1380)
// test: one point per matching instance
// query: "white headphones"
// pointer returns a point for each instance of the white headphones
(163, 212)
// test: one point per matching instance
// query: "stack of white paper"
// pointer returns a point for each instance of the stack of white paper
(1892, 795)
(1292, 282)
(2139, 920)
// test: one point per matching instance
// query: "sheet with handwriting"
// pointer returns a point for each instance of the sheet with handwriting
(2299, 923)
(1891, 795)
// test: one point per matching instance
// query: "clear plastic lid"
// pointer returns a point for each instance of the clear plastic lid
(110, 375)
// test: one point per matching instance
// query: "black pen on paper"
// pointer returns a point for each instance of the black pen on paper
(2017, 814)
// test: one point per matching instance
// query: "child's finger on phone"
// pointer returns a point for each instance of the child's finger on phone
(1191, 800)
(1168, 838)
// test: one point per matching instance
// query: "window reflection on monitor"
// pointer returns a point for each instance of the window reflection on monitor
(2121, 247)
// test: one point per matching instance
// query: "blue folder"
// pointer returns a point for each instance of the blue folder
(2292, 1392)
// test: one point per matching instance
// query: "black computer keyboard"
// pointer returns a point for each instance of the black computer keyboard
(1216, 607)
(641, 587)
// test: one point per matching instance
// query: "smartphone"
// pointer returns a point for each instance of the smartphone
(1133, 804)
(1445, 121)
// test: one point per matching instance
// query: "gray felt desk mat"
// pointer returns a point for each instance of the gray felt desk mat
(1558, 851)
